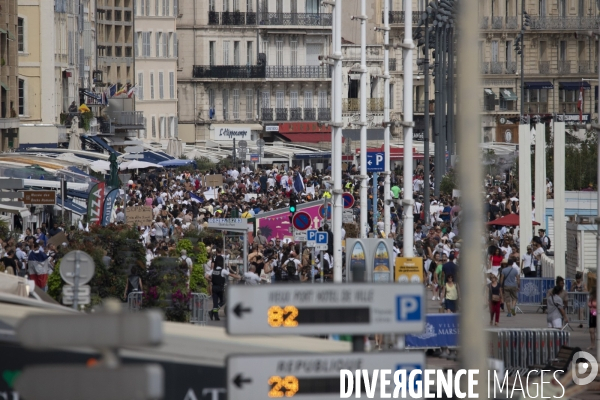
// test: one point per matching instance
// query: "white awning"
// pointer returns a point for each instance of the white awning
(252, 127)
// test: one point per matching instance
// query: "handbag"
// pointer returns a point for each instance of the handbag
(495, 298)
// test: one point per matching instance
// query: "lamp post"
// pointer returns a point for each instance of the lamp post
(520, 48)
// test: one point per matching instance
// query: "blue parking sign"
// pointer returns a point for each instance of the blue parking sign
(408, 308)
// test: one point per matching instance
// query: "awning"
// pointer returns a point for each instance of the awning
(176, 163)
(252, 127)
(539, 85)
(2, 30)
(574, 85)
(508, 94)
(4, 86)
(11, 36)
(71, 206)
(489, 92)
(99, 142)
(307, 137)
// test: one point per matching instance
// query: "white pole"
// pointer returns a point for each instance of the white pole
(525, 233)
(598, 215)
(560, 226)
(540, 175)
(364, 223)
(386, 103)
(337, 142)
(408, 130)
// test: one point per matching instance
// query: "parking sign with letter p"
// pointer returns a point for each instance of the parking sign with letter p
(408, 308)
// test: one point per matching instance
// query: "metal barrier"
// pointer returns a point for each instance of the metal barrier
(134, 301)
(533, 291)
(200, 305)
(577, 307)
(520, 349)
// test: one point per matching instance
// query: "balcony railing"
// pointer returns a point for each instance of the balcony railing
(281, 114)
(496, 67)
(544, 67)
(564, 67)
(310, 114)
(497, 22)
(566, 23)
(266, 114)
(229, 71)
(295, 114)
(304, 71)
(231, 18)
(484, 23)
(127, 118)
(324, 114)
(419, 106)
(351, 105)
(585, 67)
(512, 23)
(511, 67)
(291, 19)
(397, 17)
(485, 68)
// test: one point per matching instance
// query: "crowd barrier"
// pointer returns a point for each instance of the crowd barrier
(523, 348)
(533, 290)
(200, 304)
(577, 307)
(134, 301)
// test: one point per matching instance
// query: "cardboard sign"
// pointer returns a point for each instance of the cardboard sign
(58, 239)
(409, 269)
(140, 216)
(213, 180)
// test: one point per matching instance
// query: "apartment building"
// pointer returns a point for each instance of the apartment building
(9, 82)
(247, 67)
(55, 59)
(559, 59)
(156, 67)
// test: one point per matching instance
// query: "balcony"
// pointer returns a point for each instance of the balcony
(324, 114)
(353, 105)
(266, 114)
(281, 114)
(231, 18)
(496, 67)
(419, 106)
(512, 23)
(295, 114)
(511, 67)
(564, 67)
(497, 22)
(306, 72)
(294, 19)
(310, 114)
(544, 67)
(127, 118)
(397, 17)
(484, 23)
(229, 71)
(485, 68)
(585, 67)
(564, 23)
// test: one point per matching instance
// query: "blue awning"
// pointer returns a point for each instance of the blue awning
(175, 163)
(154, 157)
(574, 85)
(539, 85)
(71, 206)
(98, 141)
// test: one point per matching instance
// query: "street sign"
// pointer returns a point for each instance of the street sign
(242, 144)
(299, 236)
(301, 220)
(69, 263)
(134, 149)
(309, 376)
(322, 211)
(11, 183)
(260, 143)
(321, 241)
(254, 157)
(348, 199)
(311, 237)
(375, 162)
(348, 217)
(129, 156)
(83, 294)
(230, 224)
(47, 382)
(352, 308)
(102, 330)
(39, 197)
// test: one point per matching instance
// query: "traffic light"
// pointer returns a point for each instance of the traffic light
(292, 207)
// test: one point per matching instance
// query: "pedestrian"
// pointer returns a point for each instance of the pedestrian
(593, 306)
(494, 299)
(579, 287)
(450, 294)
(218, 278)
(556, 311)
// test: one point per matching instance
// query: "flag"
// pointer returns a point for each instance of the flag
(109, 203)
(112, 91)
(195, 198)
(132, 92)
(104, 99)
(96, 203)
(580, 104)
(121, 91)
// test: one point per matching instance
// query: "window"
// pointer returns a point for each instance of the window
(279, 52)
(293, 99)
(508, 49)
(161, 87)
(147, 7)
(171, 85)
(162, 126)
(226, 52)
(137, 43)
(294, 51)
(211, 53)
(156, 7)
(391, 96)
(265, 50)
(322, 99)
(562, 55)
(211, 5)
(152, 85)
(172, 127)
(158, 38)
(236, 104)
(308, 99)
(225, 5)
(167, 11)
(20, 34)
(225, 104)
(175, 8)
(170, 46)
(142, 7)
(266, 99)
(118, 51)
(165, 40)
(249, 53)
(312, 6)
(153, 124)
(249, 103)
(21, 97)
(175, 45)
(211, 98)
(279, 99)
(140, 86)
(236, 53)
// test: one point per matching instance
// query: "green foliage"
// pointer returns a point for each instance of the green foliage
(449, 182)
(198, 282)
(86, 120)
(4, 229)
(165, 286)
(55, 283)
(202, 254)
(204, 164)
(184, 244)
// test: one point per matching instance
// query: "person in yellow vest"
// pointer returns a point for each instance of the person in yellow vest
(326, 195)
(246, 213)
(349, 186)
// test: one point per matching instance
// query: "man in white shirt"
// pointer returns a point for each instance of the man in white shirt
(527, 264)
(251, 277)
(234, 174)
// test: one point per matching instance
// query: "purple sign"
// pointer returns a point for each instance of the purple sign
(278, 226)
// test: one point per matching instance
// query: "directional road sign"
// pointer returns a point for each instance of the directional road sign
(348, 217)
(83, 294)
(301, 220)
(299, 236)
(48, 382)
(375, 161)
(321, 240)
(310, 376)
(348, 199)
(77, 262)
(322, 211)
(311, 237)
(353, 309)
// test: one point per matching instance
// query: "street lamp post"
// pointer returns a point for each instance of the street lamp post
(520, 48)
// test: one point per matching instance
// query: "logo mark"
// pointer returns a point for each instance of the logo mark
(590, 366)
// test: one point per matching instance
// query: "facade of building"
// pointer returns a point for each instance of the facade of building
(9, 82)
(156, 67)
(247, 63)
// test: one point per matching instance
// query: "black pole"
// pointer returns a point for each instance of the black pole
(522, 58)
(444, 92)
(234, 157)
(451, 96)
(438, 112)
(426, 133)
